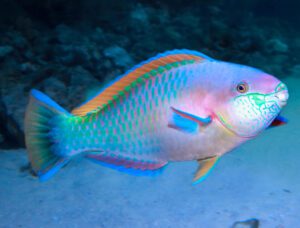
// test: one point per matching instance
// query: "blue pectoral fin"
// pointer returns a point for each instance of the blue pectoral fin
(278, 121)
(205, 167)
(187, 122)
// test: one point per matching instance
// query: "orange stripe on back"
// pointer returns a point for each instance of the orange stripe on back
(113, 92)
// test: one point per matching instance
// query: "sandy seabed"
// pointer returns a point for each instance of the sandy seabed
(259, 180)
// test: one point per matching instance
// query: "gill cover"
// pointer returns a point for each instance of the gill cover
(246, 115)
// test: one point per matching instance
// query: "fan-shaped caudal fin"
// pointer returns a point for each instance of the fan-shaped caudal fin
(138, 75)
(39, 121)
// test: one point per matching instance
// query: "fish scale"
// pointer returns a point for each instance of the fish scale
(113, 123)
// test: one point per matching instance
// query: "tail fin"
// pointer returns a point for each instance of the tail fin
(40, 111)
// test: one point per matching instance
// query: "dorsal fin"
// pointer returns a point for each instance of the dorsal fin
(137, 75)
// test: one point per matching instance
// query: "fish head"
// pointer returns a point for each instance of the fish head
(248, 100)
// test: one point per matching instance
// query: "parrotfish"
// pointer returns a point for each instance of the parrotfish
(177, 106)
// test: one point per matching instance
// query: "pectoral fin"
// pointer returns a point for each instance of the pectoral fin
(205, 166)
(278, 121)
(187, 122)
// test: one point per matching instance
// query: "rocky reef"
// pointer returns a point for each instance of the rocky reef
(68, 49)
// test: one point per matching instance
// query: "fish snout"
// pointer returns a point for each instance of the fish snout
(282, 94)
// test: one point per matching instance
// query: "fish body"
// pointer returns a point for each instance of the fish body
(177, 106)
(138, 126)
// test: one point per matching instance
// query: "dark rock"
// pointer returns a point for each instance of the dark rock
(286, 190)
(17, 40)
(55, 89)
(27, 67)
(250, 223)
(73, 55)
(70, 88)
(81, 82)
(67, 35)
(98, 35)
(139, 18)
(139, 13)
(119, 56)
(296, 70)
(277, 45)
(2, 138)
(12, 135)
(5, 50)
(15, 102)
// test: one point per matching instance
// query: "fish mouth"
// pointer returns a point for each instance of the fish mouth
(281, 94)
(282, 98)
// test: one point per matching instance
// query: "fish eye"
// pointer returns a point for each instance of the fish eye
(242, 87)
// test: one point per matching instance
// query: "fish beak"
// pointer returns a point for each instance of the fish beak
(282, 94)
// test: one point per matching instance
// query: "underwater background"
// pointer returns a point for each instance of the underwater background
(70, 49)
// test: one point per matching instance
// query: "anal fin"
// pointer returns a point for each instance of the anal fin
(127, 165)
(205, 167)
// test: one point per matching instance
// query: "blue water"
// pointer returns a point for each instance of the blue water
(69, 49)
